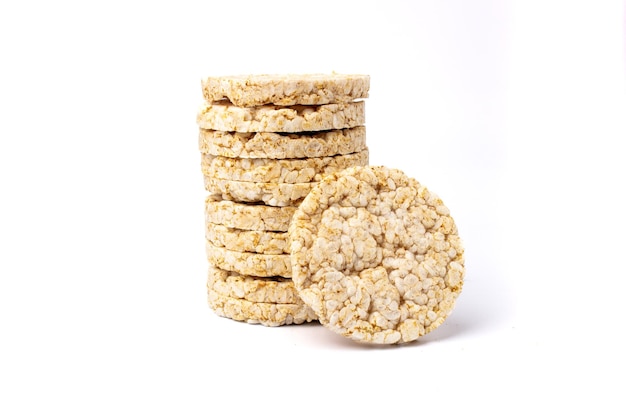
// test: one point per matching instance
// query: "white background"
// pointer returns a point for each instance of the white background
(513, 112)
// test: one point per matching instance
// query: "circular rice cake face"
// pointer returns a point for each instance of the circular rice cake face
(247, 216)
(251, 288)
(270, 118)
(288, 171)
(287, 89)
(282, 145)
(267, 314)
(376, 255)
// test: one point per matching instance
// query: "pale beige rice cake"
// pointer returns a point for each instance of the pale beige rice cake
(251, 288)
(282, 145)
(290, 171)
(376, 255)
(248, 216)
(270, 118)
(249, 263)
(287, 89)
(272, 194)
(267, 314)
(258, 241)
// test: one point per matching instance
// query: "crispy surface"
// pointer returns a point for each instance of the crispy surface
(376, 255)
(286, 90)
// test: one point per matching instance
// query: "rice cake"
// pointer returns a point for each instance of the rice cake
(270, 118)
(286, 90)
(249, 263)
(376, 255)
(282, 145)
(257, 241)
(247, 216)
(273, 194)
(251, 288)
(288, 171)
(267, 314)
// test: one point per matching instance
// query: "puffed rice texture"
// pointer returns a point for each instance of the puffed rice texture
(287, 89)
(249, 263)
(376, 255)
(258, 241)
(290, 171)
(267, 314)
(273, 194)
(282, 145)
(269, 118)
(248, 216)
(251, 288)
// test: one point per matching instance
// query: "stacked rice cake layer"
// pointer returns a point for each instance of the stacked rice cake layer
(265, 142)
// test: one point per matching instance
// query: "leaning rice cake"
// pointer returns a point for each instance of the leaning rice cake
(376, 255)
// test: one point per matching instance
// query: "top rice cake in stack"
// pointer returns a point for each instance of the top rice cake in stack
(265, 142)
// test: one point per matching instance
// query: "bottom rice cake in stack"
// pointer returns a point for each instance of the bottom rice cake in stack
(265, 142)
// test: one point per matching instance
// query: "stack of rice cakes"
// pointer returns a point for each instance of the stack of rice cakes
(266, 141)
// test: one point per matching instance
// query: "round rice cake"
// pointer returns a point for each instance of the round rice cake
(247, 216)
(376, 255)
(273, 194)
(267, 314)
(251, 288)
(282, 145)
(290, 171)
(258, 241)
(249, 263)
(287, 89)
(270, 118)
